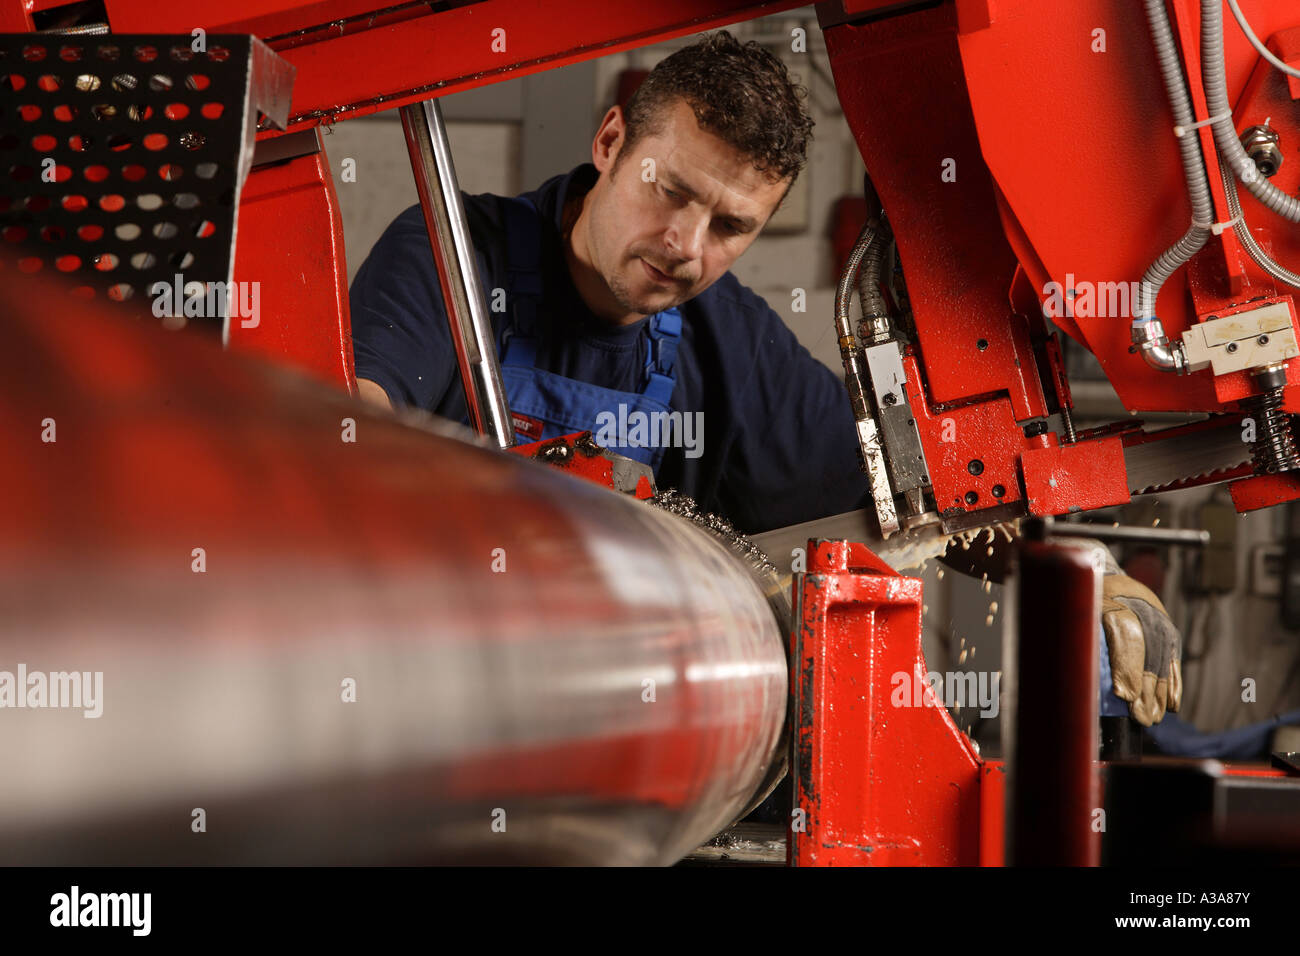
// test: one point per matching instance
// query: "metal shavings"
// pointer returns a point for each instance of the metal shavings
(673, 501)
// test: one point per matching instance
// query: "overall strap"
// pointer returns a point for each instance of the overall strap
(518, 345)
(665, 330)
(523, 281)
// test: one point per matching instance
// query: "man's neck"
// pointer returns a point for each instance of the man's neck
(586, 277)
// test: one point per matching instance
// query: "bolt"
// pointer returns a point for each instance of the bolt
(890, 398)
(1262, 340)
(975, 467)
(554, 453)
(972, 497)
(999, 491)
(1262, 145)
(982, 344)
(1232, 347)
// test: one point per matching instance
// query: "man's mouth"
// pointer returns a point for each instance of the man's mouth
(656, 275)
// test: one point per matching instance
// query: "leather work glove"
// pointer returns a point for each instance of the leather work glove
(1144, 645)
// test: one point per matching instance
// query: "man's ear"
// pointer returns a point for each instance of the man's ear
(609, 139)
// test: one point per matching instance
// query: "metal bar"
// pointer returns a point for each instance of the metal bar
(427, 653)
(1051, 687)
(1191, 537)
(453, 251)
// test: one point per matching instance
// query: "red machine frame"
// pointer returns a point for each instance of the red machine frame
(920, 87)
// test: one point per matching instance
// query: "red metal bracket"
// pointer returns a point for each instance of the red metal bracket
(579, 455)
(882, 776)
(303, 317)
(1078, 477)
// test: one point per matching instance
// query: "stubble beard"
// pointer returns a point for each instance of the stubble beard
(622, 290)
(624, 293)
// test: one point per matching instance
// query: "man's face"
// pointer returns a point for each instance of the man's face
(669, 217)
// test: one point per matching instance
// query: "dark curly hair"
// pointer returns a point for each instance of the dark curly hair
(740, 93)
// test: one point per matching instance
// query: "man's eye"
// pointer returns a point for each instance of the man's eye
(669, 193)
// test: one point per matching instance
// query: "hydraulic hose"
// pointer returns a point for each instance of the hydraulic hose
(850, 353)
(874, 325)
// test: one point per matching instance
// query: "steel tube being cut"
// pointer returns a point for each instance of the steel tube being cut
(307, 632)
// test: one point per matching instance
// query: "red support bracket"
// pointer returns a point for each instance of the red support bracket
(579, 455)
(882, 776)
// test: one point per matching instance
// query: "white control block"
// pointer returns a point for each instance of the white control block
(1243, 340)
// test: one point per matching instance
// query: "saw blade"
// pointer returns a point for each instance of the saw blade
(1154, 464)
(901, 550)
(1150, 466)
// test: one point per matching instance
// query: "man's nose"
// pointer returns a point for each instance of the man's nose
(685, 235)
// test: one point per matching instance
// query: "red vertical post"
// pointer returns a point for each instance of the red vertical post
(1052, 691)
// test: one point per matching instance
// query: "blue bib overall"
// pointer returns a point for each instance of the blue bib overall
(565, 405)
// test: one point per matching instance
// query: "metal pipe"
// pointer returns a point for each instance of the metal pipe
(850, 350)
(1192, 537)
(453, 251)
(1150, 340)
(342, 638)
(1214, 79)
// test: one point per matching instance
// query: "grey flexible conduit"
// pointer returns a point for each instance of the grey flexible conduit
(1189, 147)
(1225, 131)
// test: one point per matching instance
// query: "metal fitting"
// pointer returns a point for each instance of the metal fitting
(1150, 340)
(874, 329)
(1263, 145)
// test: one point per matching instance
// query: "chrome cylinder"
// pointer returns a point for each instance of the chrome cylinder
(316, 634)
(453, 252)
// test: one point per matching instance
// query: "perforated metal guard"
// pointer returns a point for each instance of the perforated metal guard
(119, 163)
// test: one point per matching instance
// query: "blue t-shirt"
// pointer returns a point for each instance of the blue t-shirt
(779, 444)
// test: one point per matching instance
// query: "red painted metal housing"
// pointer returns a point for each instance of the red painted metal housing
(304, 319)
(580, 456)
(1078, 167)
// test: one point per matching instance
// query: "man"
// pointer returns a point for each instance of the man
(611, 298)
(618, 301)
